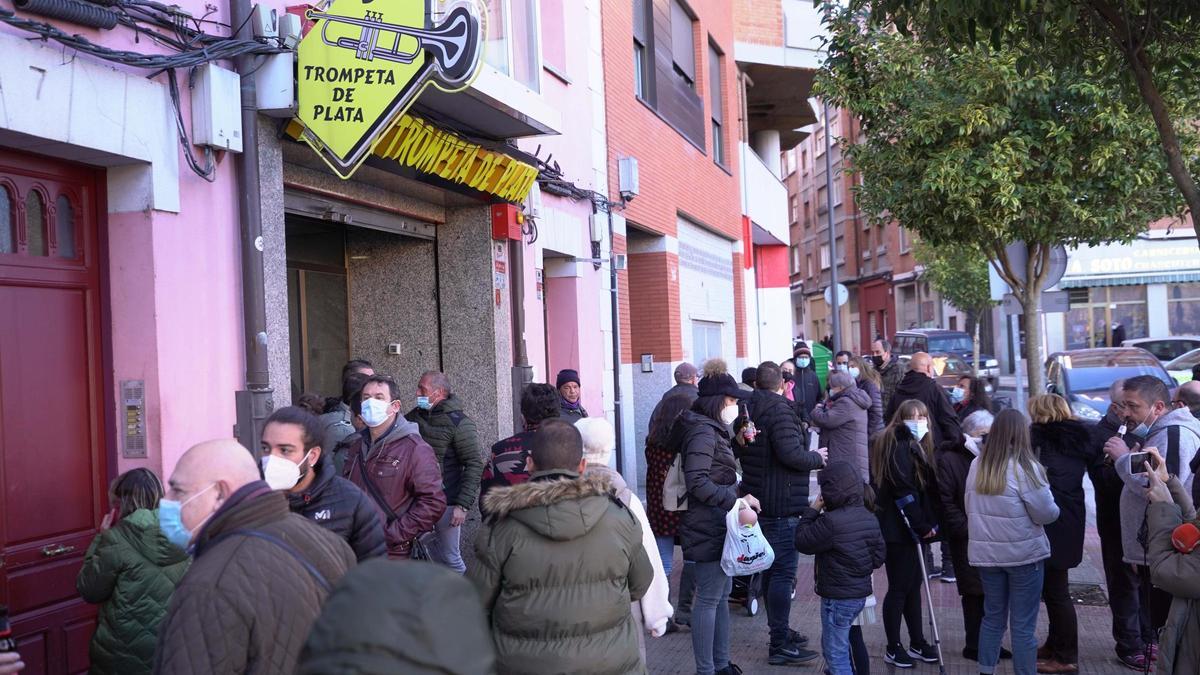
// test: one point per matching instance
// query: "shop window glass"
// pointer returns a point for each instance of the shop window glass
(1183, 308)
(8, 222)
(706, 341)
(35, 223)
(64, 227)
(1095, 324)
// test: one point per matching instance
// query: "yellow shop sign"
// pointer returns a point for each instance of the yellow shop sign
(416, 144)
(364, 62)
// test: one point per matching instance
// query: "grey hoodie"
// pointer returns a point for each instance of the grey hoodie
(842, 420)
(1133, 495)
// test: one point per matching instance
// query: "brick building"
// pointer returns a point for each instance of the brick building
(875, 262)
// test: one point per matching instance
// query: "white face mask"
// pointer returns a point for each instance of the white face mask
(729, 414)
(917, 429)
(280, 473)
(374, 412)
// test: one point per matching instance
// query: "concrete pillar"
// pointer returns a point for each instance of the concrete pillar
(766, 145)
(476, 330)
(270, 168)
(1158, 319)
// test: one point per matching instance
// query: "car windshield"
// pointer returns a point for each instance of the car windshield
(1100, 379)
(1185, 362)
(951, 343)
(949, 365)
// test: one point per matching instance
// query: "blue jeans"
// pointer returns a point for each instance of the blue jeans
(666, 551)
(836, 618)
(777, 581)
(1010, 595)
(710, 618)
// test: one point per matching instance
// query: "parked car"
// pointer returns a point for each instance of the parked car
(1168, 348)
(931, 340)
(1083, 376)
(1181, 368)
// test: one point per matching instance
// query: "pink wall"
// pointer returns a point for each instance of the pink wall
(175, 288)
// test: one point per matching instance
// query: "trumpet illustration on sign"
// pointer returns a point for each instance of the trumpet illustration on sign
(453, 44)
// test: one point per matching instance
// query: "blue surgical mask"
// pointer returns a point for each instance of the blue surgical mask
(843, 367)
(374, 412)
(957, 395)
(917, 429)
(803, 362)
(170, 519)
(423, 403)
(854, 372)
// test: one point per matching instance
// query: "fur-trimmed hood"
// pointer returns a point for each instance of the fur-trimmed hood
(558, 505)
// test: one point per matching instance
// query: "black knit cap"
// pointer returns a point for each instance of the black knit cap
(722, 384)
(567, 375)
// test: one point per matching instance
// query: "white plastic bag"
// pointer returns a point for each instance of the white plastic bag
(746, 549)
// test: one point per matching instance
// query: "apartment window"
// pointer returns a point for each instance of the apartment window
(804, 159)
(789, 162)
(837, 186)
(683, 44)
(808, 269)
(822, 199)
(905, 244)
(795, 259)
(643, 55)
(715, 103)
(706, 341)
(554, 42)
(819, 141)
(824, 256)
(841, 251)
(512, 40)
(794, 202)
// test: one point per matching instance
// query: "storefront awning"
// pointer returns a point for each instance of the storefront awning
(1145, 260)
(1130, 280)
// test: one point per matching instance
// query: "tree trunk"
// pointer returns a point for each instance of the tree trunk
(1036, 263)
(1143, 76)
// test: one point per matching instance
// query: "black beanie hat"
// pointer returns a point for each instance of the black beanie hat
(566, 375)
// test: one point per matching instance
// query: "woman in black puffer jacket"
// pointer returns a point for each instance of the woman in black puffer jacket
(702, 434)
(1063, 446)
(903, 475)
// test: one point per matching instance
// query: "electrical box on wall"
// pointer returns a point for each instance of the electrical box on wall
(506, 222)
(217, 108)
(627, 177)
(275, 85)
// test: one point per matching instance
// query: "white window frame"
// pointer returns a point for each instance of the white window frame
(509, 55)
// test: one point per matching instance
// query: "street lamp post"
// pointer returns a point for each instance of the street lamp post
(835, 306)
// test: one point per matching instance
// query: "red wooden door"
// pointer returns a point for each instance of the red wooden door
(53, 475)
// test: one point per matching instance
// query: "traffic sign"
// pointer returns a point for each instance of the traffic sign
(362, 64)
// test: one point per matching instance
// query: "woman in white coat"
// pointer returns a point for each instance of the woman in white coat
(1008, 500)
(654, 609)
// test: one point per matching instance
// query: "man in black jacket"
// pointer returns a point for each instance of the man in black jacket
(918, 383)
(293, 461)
(1122, 582)
(775, 468)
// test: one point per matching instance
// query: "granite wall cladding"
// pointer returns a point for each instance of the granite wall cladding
(476, 342)
(393, 300)
(270, 161)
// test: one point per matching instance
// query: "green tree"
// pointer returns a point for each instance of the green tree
(966, 145)
(959, 272)
(1153, 48)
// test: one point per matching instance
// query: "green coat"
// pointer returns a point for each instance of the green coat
(451, 434)
(130, 570)
(558, 564)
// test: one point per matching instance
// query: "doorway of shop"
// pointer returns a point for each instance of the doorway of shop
(318, 306)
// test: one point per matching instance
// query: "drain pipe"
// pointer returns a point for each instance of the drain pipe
(616, 343)
(254, 403)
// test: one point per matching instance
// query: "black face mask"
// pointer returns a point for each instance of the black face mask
(878, 361)
(788, 377)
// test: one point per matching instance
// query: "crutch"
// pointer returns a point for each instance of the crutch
(937, 640)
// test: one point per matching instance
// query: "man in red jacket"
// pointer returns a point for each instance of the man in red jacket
(391, 463)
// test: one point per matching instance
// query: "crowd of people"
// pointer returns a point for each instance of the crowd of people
(297, 557)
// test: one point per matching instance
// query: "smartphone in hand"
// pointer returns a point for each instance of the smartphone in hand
(1138, 460)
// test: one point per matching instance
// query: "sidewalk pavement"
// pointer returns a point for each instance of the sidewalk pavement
(672, 654)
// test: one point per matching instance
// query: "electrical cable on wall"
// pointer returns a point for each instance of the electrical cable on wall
(195, 48)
